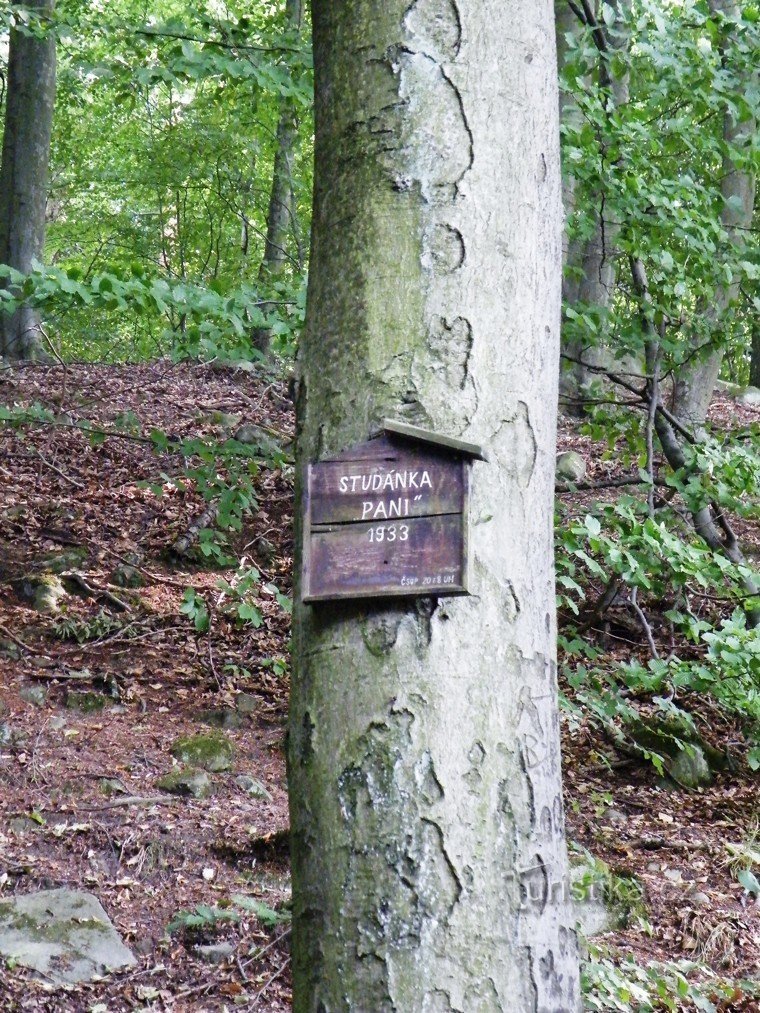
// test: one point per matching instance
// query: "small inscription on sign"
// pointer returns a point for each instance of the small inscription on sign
(388, 518)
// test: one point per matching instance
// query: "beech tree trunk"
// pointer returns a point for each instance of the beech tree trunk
(592, 263)
(428, 852)
(567, 25)
(281, 212)
(754, 362)
(24, 171)
(695, 381)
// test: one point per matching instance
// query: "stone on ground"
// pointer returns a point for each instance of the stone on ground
(570, 467)
(63, 934)
(222, 717)
(253, 787)
(210, 752)
(215, 953)
(193, 783)
(86, 701)
(246, 703)
(36, 695)
(690, 768)
(749, 397)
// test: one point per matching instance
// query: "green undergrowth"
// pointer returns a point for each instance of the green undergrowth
(653, 619)
(624, 985)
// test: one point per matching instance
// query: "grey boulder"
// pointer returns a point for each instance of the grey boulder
(64, 934)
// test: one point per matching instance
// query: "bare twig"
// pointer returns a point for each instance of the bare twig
(634, 600)
(62, 474)
(54, 351)
(260, 953)
(21, 644)
(257, 998)
(96, 592)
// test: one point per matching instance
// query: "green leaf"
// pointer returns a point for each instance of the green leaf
(592, 525)
(749, 881)
(250, 614)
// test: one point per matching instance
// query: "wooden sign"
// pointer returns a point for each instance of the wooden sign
(388, 518)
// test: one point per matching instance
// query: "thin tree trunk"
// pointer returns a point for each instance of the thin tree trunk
(24, 171)
(695, 381)
(282, 210)
(593, 261)
(566, 25)
(429, 866)
(754, 363)
(710, 522)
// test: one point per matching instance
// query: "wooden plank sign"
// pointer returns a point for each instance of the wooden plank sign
(388, 518)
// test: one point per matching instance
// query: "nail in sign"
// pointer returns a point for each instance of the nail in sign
(388, 518)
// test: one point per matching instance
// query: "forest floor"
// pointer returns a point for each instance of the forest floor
(87, 724)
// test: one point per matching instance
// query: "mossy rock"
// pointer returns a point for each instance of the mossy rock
(671, 735)
(10, 649)
(126, 575)
(10, 736)
(255, 436)
(61, 562)
(253, 787)
(690, 768)
(33, 694)
(44, 592)
(22, 824)
(265, 550)
(223, 419)
(212, 752)
(63, 934)
(86, 701)
(186, 781)
(726, 387)
(246, 703)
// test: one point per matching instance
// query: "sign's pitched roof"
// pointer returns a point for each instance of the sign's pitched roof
(396, 428)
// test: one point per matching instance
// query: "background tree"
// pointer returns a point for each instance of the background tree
(29, 105)
(426, 804)
(673, 168)
(696, 378)
(591, 262)
(282, 215)
(175, 200)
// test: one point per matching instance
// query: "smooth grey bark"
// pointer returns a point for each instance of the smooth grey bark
(282, 211)
(428, 852)
(24, 171)
(592, 263)
(566, 25)
(695, 380)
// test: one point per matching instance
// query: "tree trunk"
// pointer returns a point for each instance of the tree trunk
(281, 213)
(566, 24)
(429, 865)
(24, 171)
(754, 362)
(695, 381)
(594, 259)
